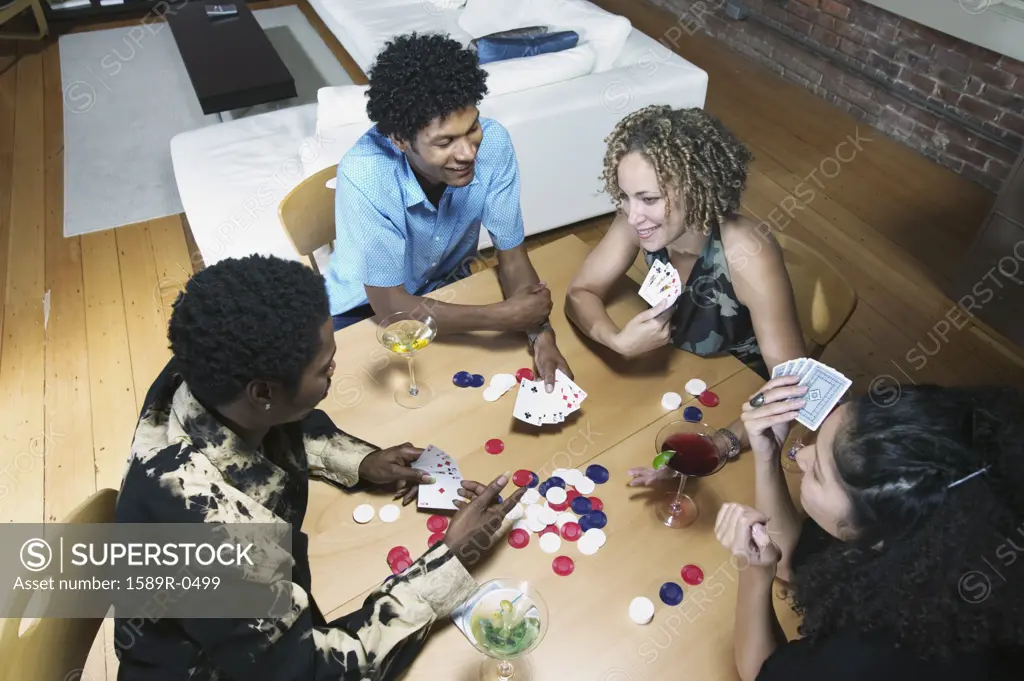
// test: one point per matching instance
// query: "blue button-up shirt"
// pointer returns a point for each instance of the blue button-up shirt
(389, 233)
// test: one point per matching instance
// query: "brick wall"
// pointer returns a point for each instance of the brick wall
(954, 75)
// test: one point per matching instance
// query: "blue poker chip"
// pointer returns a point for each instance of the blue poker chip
(693, 415)
(544, 487)
(498, 499)
(671, 593)
(580, 506)
(477, 381)
(556, 481)
(463, 379)
(535, 481)
(595, 519)
(599, 474)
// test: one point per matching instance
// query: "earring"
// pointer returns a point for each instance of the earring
(267, 406)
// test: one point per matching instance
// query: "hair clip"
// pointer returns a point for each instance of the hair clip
(967, 477)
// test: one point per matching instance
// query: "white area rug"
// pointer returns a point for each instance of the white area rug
(126, 94)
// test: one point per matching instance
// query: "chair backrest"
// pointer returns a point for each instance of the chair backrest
(307, 213)
(825, 300)
(55, 649)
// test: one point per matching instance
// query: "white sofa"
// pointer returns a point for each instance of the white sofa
(231, 176)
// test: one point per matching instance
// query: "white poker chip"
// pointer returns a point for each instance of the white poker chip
(566, 517)
(562, 473)
(522, 524)
(533, 510)
(548, 515)
(550, 542)
(535, 524)
(389, 513)
(556, 495)
(641, 610)
(516, 513)
(573, 477)
(672, 401)
(585, 486)
(502, 382)
(695, 386)
(363, 513)
(587, 547)
(532, 496)
(492, 395)
(595, 535)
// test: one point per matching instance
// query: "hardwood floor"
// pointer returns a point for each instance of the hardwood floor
(83, 319)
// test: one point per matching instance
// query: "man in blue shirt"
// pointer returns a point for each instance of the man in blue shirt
(414, 191)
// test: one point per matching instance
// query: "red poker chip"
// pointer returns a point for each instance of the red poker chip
(571, 494)
(708, 399)
(518, 538)
(596, 504)
(571, 531)
(692, 575)
(563, 565)
(396, 553)
(434, 538)
(522, 478)
(559, 507)
(525, 372)
(437, 523)
(494, 446)
(401, 565)
(550, 528)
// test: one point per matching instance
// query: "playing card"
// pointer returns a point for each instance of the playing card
(780, 369)
(647, 289)
(441, 494)
(529, 406)
(574, 390)
(825, 386)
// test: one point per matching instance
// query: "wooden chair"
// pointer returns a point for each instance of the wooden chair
(825, 300)
(307, 213)
(17, 7)
(54, 649)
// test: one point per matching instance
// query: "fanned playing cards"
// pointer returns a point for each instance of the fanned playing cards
(536, 406)
(662, 282)
(825, 387)
(447, 480)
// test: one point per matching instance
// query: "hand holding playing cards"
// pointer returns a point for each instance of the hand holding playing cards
(741, 530)
(549, 359)
(473, 527)
(393, 465)
(527, 309)
(647, 331)
(783, 398)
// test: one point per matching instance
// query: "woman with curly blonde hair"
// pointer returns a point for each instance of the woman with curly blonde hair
(676, 176)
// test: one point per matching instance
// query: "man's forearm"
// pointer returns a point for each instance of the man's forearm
(453, 318)
(588, 313)
(757, 632)
(771, 497)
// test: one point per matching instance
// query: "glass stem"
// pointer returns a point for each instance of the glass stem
(677, 503)
(505, 670)
(413, 390)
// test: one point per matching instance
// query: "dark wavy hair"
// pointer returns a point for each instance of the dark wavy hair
(917, 570)
(255, 318)
(417, 78)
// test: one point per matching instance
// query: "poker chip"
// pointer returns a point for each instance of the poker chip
(693, 414)
(524, 373)
(597, 473)
(671, 401)
(516, 513)
(492, 394)
(437, 523)
(463, 379)
(692, 575)
(563, 473)
(695, 386)
(522, 478)
(556, 495)
(572, 494)
(671, 593)
(535, 524)
(389, 513)
(708, 399)
(588, 546)
(559, 507)
(494, 446)
(401, 565)
(571, 531)
(534, 510)
(550, 542)
(555, 481)
(548, 515)
(641, 610)
(563, 566)
(552, 528)
(595, 519)
(434, 538)
(581, 506)
(535, 481)
(477, 381)
(564, 518)
(518, 538)
(532, 496)
(396, 553)
(595, 504)
(521, 524)
(363, 513)
(585, 486)
(598, 537)
(572, 476)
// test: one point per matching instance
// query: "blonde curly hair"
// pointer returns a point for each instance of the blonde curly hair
(690, 151)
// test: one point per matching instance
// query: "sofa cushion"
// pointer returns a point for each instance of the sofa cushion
(490, 49)
(339, 106)
(514, 75)
(604, 31)
(524, 32)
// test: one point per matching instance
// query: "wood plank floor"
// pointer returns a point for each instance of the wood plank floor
(83, 319)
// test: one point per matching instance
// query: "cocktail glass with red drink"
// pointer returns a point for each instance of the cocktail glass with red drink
(688, 449)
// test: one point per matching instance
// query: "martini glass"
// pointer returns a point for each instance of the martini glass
(505, 619)
(405, 334)
(689, 450)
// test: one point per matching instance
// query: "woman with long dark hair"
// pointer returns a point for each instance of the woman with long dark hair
(909, 565)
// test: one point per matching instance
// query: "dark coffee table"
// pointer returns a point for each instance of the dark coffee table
(230, 61)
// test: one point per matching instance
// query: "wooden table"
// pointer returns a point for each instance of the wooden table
(590, 634)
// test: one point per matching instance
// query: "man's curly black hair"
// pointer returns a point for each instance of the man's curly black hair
(255, 318)
(417, 78)
(921, 569)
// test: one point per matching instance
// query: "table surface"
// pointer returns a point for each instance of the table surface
(590, 634)
(229, 57)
